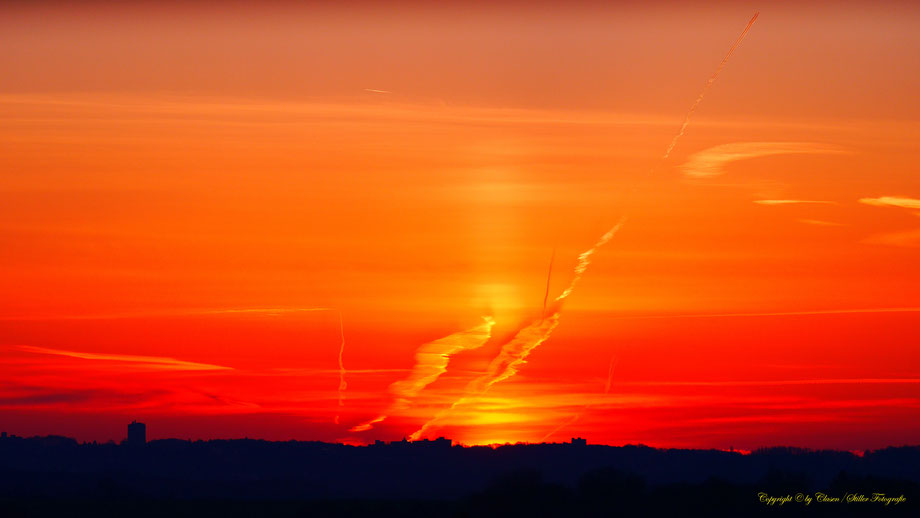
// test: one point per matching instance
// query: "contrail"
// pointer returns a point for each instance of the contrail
(432, 358)
(549, 276)
(562, 425)
(575, 417)
(514, 353)
(584, 259)
(342, 384)
(613, 365)
(431, 361)
(712, 79)
(148, 362)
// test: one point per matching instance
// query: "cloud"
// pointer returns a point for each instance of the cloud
(820, 223)
(779, 313)
(431, 360)
(789, 202)
(711, 162)
(910, 239)
(151, 362)
(892, 201)
(47, 399)
(168, 313)
(770, 383)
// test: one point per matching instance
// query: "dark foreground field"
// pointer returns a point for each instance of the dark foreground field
(55, 476)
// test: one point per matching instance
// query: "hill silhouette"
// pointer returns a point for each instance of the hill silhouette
(45, 476)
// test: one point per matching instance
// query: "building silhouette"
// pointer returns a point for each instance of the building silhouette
(578, 441)
(137, 434)
(440, 443)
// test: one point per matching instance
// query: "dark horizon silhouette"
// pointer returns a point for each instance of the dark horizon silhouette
(439, 478)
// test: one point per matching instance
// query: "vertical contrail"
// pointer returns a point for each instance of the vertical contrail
(342, 384)
(549, 277)
(712, 79)
(613, 364)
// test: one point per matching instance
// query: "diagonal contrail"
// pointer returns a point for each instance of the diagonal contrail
(712, 79)
(584, 259)
(570, 420)
(514, 353)
(431, 361)
(576, 417)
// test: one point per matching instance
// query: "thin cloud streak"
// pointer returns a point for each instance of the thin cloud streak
(892, 201)
(820, 223)
(153, 362)
(712, 162)
(791, 202)
(777, 313)
(769, 383)
(166, 313)
(909, 239)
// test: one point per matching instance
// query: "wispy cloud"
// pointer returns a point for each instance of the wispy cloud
(745, 383)
(431, 362)
(779, 313)
(164, 313)
(262, 311)
(790, 202)
(151, 362)
(820, 223)
(892, 201)
(711, 162)
(909, 238)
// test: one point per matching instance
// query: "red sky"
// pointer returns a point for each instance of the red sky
(191, 197)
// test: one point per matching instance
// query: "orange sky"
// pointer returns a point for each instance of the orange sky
(192, 196)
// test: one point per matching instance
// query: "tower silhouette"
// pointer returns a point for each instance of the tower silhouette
(137, 434)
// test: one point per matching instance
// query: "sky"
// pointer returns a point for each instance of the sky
(355, 222)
